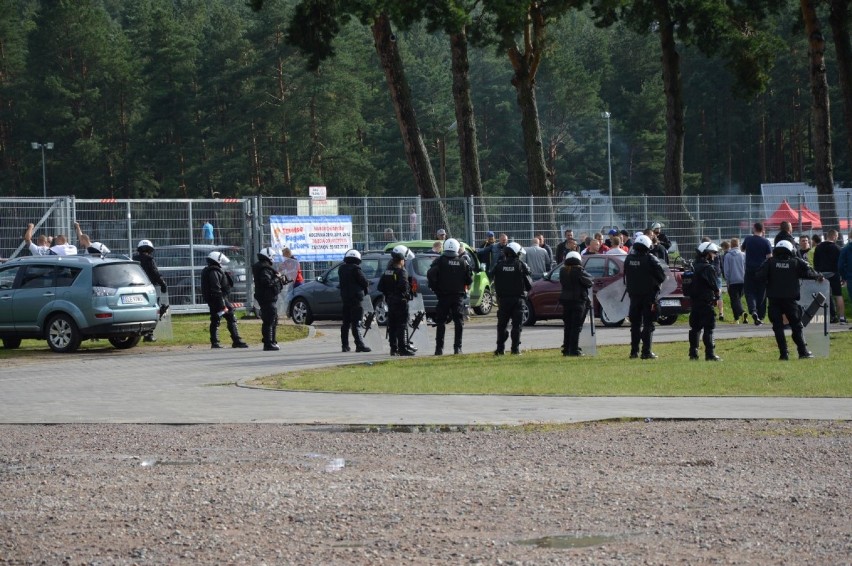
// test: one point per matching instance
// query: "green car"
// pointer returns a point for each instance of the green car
(481, 292)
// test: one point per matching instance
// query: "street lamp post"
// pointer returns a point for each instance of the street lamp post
(607, 115)
(42, 147)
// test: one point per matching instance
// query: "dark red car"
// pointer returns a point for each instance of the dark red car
(543, 300)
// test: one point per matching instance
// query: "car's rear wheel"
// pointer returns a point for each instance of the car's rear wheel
(124, 342)
(381, 310)
(62, 334)
(11, 343)
(667, 320)
(527, 313)
(300, 311)
(487, 303)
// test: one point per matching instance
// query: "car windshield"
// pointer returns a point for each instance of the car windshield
(115, 275)
(420, 265)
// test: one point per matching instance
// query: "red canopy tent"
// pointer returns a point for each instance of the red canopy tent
(810, 220)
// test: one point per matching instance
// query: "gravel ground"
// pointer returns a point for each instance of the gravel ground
(664, 492)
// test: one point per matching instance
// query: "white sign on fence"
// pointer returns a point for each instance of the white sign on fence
(312, 238)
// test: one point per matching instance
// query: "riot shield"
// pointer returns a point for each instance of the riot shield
(373, 336)
(164, 331)
(417, 333)
(614, 301)
(588, 340)
(282, 305)
(813, 300)
(289, 268)
(668, 286)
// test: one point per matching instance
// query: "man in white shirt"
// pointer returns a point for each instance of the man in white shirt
(43, 245)
(62, 247)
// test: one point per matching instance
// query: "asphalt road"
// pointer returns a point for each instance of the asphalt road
(197, 385)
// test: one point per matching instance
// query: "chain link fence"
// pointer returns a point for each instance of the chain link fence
(241, 226)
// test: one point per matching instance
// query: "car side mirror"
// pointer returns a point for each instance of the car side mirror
(319, 278)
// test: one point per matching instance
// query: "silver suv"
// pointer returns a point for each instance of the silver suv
(64, 299)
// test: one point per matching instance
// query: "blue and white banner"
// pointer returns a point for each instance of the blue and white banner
(312, 238)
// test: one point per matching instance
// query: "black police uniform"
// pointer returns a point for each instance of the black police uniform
(781, 274)
(149, 266)
(215, 286)
(643, 274)
(268, 284)
(394, 285)
(353, 287)
(448, 277)
(704, 293)
(512, 281)
(575, 282)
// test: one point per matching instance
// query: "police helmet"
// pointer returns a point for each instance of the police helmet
(452, 247)
(266, 253)
(352, 256)
(642, 243)
(573, 258)
(514, 249)
(145, 246)
(785, 245)
(402, 252)
(707, 247)
(97, 248)
(219, 258)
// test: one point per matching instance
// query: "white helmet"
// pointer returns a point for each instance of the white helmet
(656, 226)
(515, 247)
(643, 240)
(144, 245)
(402, 252)
(267, 253)
(353, 253)
(706, 247)
(452, 247)
(574, 257)
(98, 248)
(218, 257)
(785, 244)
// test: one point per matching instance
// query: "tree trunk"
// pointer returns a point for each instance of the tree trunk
(525, 65)
(839, 20)
(681, 223)
(823, 176)
(415, 149)
(468, 149)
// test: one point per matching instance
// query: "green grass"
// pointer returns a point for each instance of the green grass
(750, 368)
(188, 330)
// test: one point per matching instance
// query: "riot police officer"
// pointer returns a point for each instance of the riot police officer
(704, 292)
(268, 284)
(643, 275)
(145, 256)
(395, 286)
(575, 282)
(448, 277)
(512, 281)
(353, 287)
(215, 286)
(781, 274)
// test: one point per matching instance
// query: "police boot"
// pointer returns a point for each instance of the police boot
(457, 342)
(647, 354)
(344, 338)
(710, 349)
(634, 343)
(236, 341)
(269, 344)
(693, 345)
(782, 346)
(214, 334)
(402, 347)
(801, 346)
(439, 340)
(359, 341)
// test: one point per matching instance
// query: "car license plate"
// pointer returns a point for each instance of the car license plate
(670, 303)
(133, 299)
(241, 277)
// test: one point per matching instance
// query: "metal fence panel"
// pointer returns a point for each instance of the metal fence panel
(51, 217)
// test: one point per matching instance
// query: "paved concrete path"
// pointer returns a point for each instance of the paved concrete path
(196, 385)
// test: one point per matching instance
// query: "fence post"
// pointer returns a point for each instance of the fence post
(470, 214)
(130, 246)
(532, 217)
(366, 226)
(698, 217)
(647, 221)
